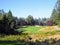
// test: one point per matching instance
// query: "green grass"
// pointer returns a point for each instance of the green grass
(31, 29)
(41, 31)
(11, 40)
(11, 43)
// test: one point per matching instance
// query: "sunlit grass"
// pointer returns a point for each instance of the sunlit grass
(31, 29)
(40, 33)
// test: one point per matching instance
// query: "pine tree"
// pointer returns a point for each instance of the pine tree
(54, 16)
(9, 16)
(30, 20)
(56, 13)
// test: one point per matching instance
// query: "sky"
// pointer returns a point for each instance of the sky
(23, 8)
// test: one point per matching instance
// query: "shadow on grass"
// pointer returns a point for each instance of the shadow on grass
(22, 42)
(11, 43)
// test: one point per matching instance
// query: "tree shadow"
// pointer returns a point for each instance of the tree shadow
(23, 42)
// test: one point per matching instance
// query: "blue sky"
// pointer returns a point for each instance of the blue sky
(23, 8)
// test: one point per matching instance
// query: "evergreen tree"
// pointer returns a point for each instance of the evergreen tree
(22, 21)
(54, 16)
(56, 13)
(1, 16)
(9, 16)
(30, 20)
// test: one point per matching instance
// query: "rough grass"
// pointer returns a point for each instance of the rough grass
(40, 33)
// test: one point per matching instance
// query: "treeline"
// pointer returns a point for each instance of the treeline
(9, 23)
(30, 20)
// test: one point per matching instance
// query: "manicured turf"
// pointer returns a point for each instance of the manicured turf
(31, 29)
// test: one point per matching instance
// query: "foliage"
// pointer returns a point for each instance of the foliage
(30, 20)
(54, 16)
(50, 22)
(36, 22)
(39, 21)
(1, 16)
(7, 24)
(56, 13)
(9, 16)
(22, 21)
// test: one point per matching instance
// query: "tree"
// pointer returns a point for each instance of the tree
(9, 16)
(39, 21)
(1, 16)
(7, 23)
(30, 20)
(54, 16)
(22, 21)
(49, 22)
(36, 22)
(56, 13)
(10, 19)
(4, 25)
(16, 20)
(43, 21)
